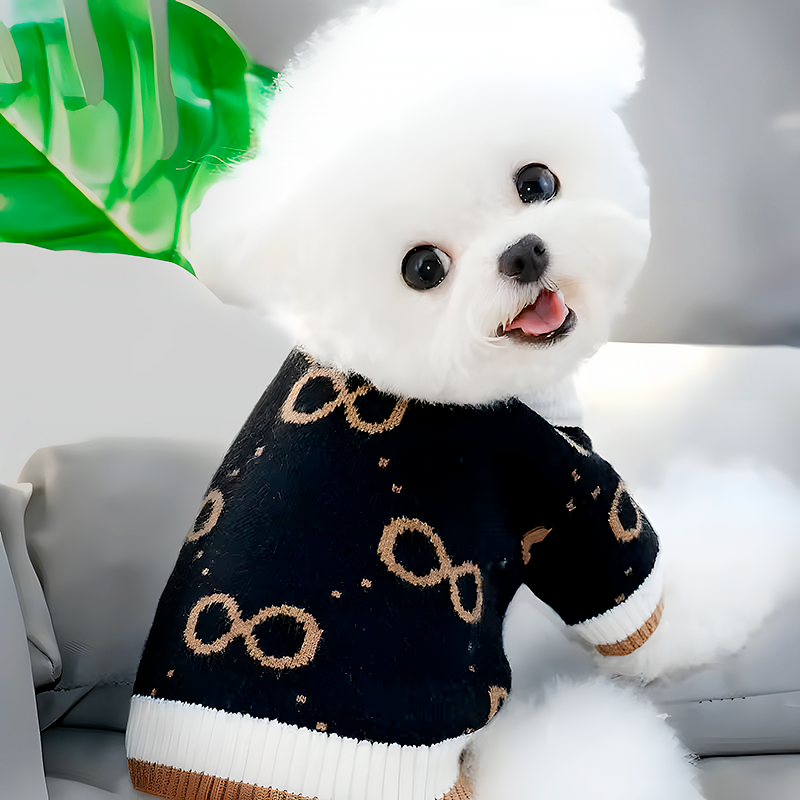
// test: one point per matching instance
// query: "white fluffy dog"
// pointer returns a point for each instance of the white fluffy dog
(410, 128)
(446, 202)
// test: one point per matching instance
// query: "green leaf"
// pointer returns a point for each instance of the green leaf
(115, 118)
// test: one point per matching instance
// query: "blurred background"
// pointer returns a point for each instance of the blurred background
(110, 345)
(717, 122)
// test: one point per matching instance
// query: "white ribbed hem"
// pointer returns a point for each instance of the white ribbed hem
(628, 617)
(273, 754)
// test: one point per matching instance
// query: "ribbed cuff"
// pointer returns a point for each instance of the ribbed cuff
(622, 629)
(173, 744)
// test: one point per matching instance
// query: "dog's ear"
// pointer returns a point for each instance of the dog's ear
(599, 43)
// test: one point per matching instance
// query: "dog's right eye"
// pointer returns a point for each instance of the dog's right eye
(425, 267)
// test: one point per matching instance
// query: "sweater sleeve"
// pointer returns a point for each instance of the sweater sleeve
(590, 551)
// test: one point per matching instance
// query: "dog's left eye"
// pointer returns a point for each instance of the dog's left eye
(425, 266)
(536, 184)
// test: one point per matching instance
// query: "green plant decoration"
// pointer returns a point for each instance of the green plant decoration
(115, 117)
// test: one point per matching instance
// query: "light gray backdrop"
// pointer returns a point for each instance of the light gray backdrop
(717, 121)
(104, 345)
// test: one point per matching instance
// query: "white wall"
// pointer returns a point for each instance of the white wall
(98, 345)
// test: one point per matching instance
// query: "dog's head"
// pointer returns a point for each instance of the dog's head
(445, 200)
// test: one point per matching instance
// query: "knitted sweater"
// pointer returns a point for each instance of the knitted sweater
(333, 625)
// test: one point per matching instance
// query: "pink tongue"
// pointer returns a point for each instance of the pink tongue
(546, 315)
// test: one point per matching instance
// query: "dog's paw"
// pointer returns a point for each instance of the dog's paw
(595, 739)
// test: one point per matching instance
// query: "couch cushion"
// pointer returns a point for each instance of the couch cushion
(42, 645)
(103, 526)
(20, 755)
(86, 765)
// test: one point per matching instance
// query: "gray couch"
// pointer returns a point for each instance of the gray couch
(90, 536)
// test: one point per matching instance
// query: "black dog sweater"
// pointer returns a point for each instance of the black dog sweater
(333, 625)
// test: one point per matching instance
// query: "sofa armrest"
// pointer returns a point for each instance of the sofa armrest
(20, 748)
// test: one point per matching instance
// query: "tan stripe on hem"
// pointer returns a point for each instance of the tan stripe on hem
(171, 783)
(636, 639)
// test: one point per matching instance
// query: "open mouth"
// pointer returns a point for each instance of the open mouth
(544, 321)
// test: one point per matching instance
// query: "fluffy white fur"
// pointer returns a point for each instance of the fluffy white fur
(593, 739)
(730, 537)
(405, 125)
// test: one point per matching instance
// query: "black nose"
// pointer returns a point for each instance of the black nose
(526, 260)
